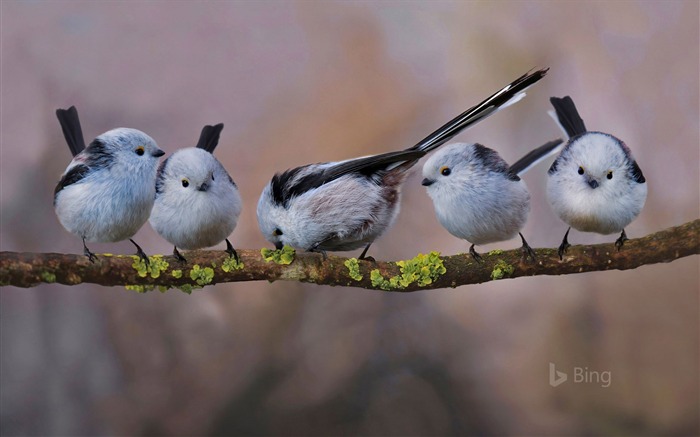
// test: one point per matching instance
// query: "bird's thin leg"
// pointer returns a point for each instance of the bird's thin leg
(475, 254)
(564, 245)
(364, 252)
(231, 251)
(621, 241)
(141, 253)
(178, 255)
(91, 256)
(527, 250)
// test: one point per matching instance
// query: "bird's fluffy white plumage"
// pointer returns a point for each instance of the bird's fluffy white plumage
(203, 213)
(115, 196)
(613, 203)
(477, 201)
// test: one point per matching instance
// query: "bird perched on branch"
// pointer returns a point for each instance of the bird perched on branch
(197, 203)
(106, 193)
(594, 185)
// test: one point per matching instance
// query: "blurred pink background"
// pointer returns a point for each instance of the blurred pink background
(301, 82)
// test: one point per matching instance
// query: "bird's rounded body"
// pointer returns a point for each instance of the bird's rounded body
(107, 191)
(203, 213)
(478, 200)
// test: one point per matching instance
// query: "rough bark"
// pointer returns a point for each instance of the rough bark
(421, 273)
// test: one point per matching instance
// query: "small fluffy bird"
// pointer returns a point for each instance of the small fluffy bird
(346, 205)
(594, 185)
(477, 196)
(197, 203)
(107, 191)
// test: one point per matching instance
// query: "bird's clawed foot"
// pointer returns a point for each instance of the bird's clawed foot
(91, 256)
(231, 251)
(526, 249)
(364, 252)
(178, 255)
(475, 254)
(564, 245)
(621, 241)
(141, 254)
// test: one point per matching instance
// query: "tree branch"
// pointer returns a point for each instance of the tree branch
(421, 273)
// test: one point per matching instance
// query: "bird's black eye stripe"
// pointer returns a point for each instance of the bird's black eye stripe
(580, 170)
(278, 231)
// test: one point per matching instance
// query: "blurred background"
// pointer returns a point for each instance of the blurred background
(301, 82)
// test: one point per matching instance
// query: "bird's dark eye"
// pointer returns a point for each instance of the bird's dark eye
(609, 175)
(277, 232)
(212, 176)
(580, 170)
(140, 150)
(185, 183)
(445, 171)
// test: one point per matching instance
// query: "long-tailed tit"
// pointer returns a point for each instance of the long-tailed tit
(477, 196)
(340, 206)
(197, 202)
(107, 190)
(594, 185)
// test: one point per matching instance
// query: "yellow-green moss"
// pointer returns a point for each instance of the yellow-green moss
(231, 264)
(495, 252)
(156, 265)
(502, 270)
(48, 277)
(353, 269)
(187, 288)
(140, 288)
(177, 274)
(422, 270)
(202, 276)
(283, 256)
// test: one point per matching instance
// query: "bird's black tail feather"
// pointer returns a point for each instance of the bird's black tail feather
(70, 124)
(568, 116)
(511, 93)
(535, 156)
(209, 138)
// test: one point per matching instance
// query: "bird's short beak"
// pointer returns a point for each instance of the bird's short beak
(203, 187)
(592, 183)
(158, 153)
(279, 245)
(427, 182)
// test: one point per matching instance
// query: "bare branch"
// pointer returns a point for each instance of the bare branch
(421, 273)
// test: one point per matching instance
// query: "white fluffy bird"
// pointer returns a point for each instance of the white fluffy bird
(477, 196)
(197, 203)
(594, 185)
(106, 193)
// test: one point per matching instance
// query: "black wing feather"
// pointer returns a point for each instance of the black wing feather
(209, 138)
(493, 161)
(75, 174)
(72, 132)
(534, 155)
(285, 187)
(568, 116)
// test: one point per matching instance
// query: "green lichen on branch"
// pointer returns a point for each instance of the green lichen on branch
(202, 276)
(156, 265)
(282, 256)
(502, 270)
(421, 270)
(230, 264)
(353, 266)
